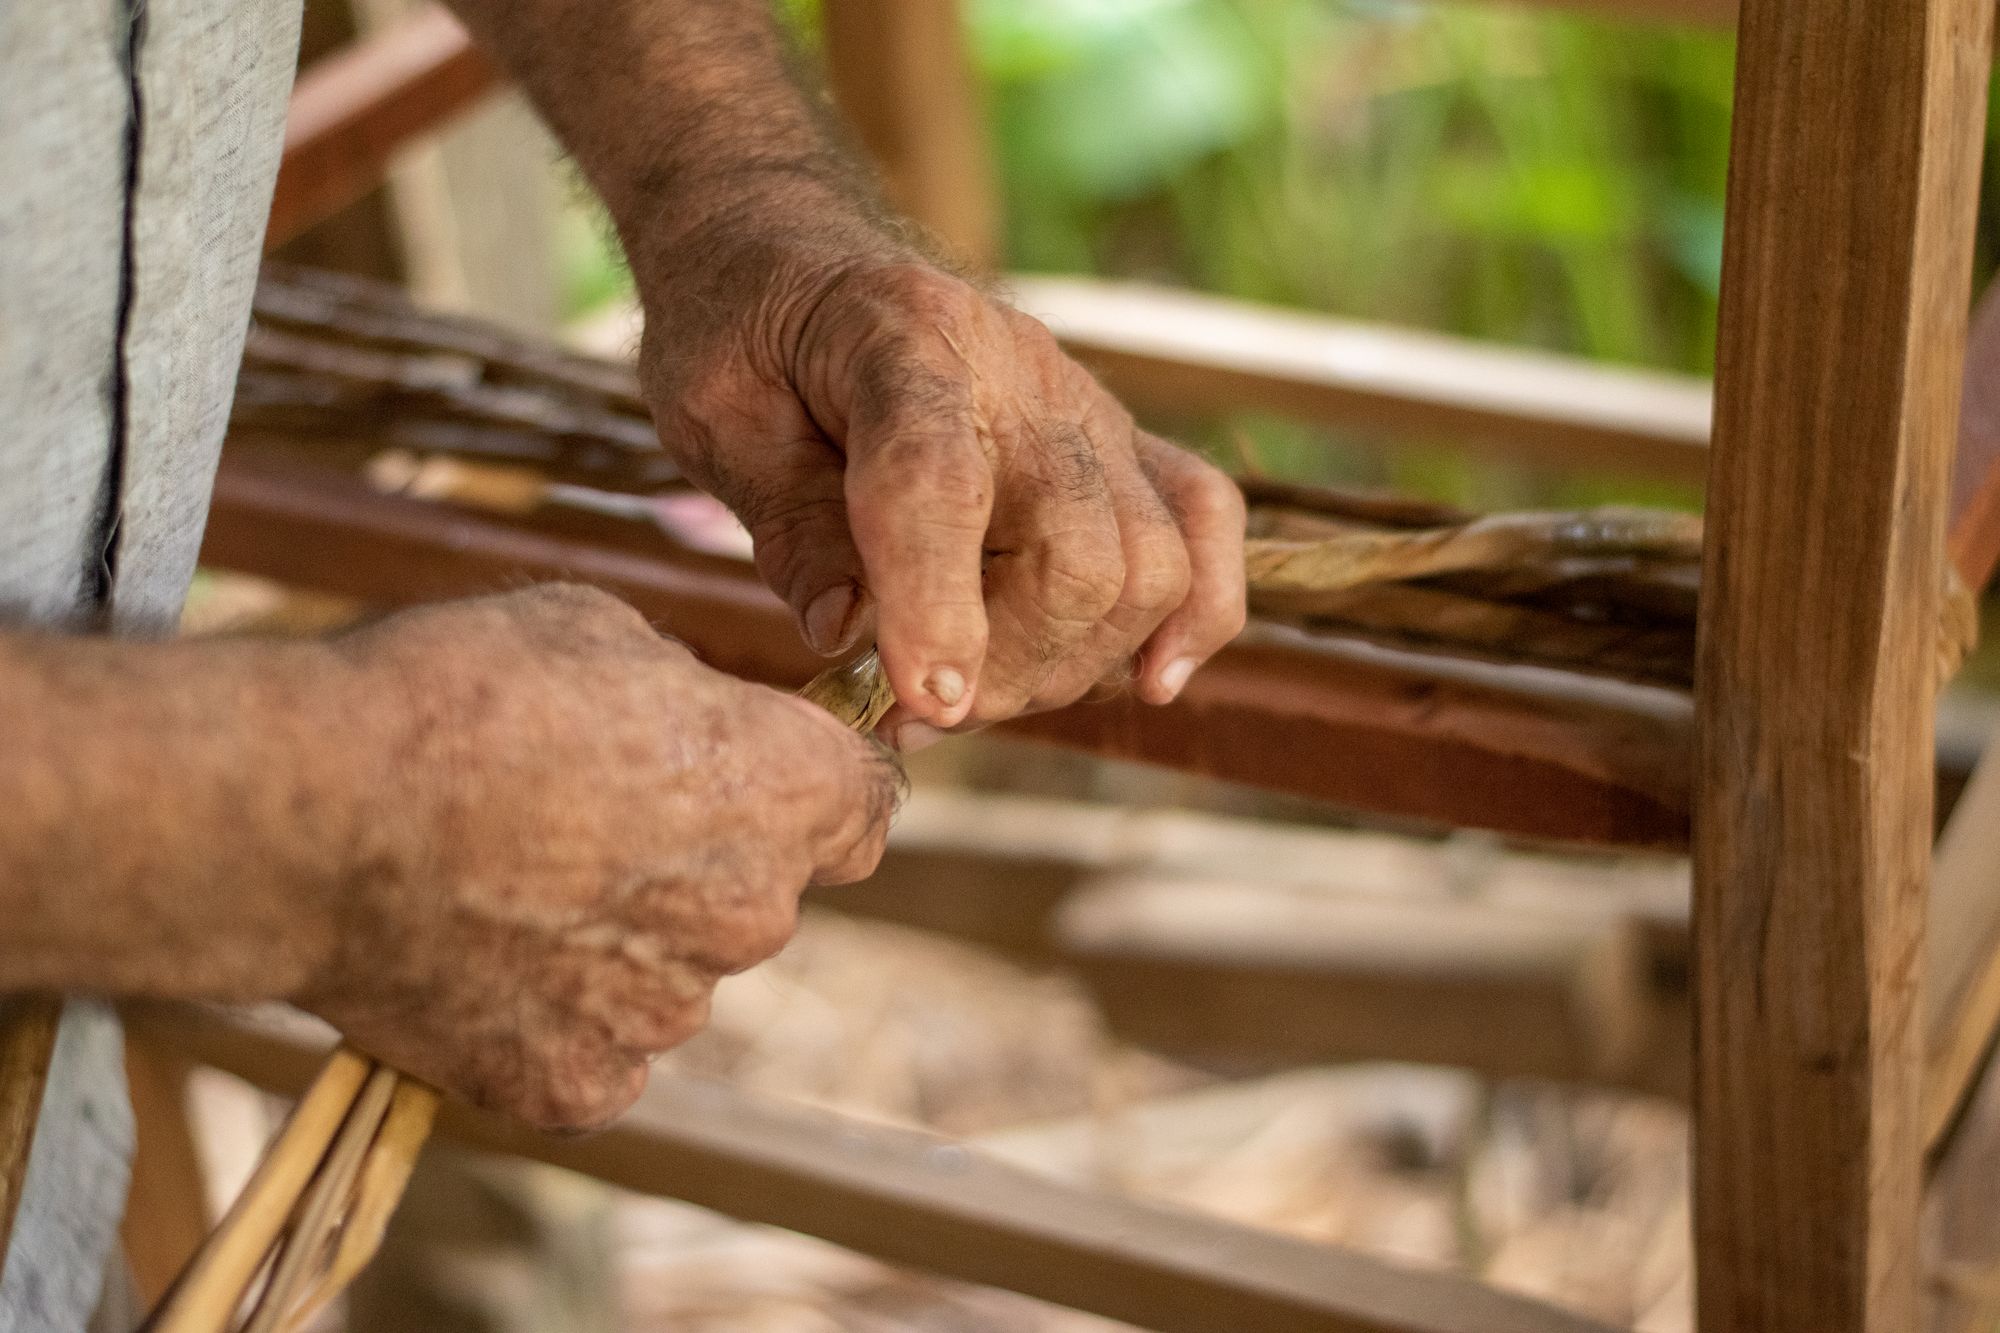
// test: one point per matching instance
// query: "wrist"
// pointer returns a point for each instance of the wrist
(317, 768)
(760, 261)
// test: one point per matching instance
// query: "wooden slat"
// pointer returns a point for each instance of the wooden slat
(912, 1199)
(1180, 351)
(27, 1043)
(1526, 751)
(1852, 188)
(1235, 974)
(331, 533)
(351, 112)
(900, 72)
(1245, 944)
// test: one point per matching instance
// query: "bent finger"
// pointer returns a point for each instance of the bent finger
(1209, 509)
(919, 492)
(1156, 571)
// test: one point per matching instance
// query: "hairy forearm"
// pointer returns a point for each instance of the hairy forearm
(176, 819)
(686, 118)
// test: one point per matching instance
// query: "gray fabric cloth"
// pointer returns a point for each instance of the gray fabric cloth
(76, 1179)
(139, 140)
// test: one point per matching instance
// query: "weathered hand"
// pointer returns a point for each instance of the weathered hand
(910, 454)
(581, 830)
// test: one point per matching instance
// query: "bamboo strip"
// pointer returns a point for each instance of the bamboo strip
(383, 1178)
(205, 1297)
(326, 1200)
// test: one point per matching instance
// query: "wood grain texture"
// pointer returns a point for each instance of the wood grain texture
(27, 1043)
(352, 111)
(1853, 180)
(900, 73)
(1170, 350)
(914, 1199)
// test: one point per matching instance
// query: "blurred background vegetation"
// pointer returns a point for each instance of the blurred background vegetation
(1520, 175)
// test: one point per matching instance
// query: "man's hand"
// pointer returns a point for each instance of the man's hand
(585, 829)
(909, 454)
(507, 845)
(915, 458)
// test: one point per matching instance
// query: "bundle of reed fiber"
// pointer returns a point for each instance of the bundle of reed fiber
(314, 1211)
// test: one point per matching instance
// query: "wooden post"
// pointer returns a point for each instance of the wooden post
(1853, 178)
(901, 74)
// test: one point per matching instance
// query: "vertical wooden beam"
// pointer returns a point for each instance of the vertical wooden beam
(900, 71)
(1853, 176)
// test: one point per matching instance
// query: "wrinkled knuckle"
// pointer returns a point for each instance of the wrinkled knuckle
(941, 483)
(1216, 499)
(897, 385)
(1106, 411)
(929, 295)
(1158, 577)
(1082, 576)
(1032, 337)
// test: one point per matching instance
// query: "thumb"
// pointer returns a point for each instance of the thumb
(791, 499)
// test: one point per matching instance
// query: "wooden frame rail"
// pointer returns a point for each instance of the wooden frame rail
(1180, 351)
(1528, 751)
(1806, 923)
(913, 1199)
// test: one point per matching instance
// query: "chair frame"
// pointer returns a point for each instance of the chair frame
(1841, 1095)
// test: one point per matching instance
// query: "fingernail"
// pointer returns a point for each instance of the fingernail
(914, 736)
(827, 618)
(946, 686)
(1175, 678)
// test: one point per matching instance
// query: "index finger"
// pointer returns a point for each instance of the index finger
(919, 499)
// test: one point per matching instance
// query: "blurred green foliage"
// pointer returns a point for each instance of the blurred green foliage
(1516, 174)
(1519, 175)
(1500, 173)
